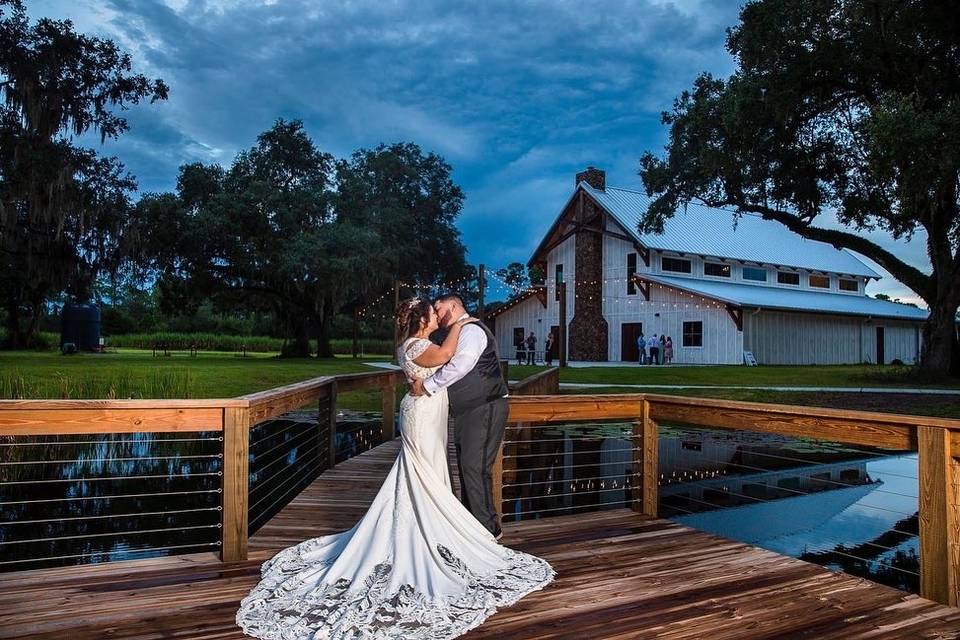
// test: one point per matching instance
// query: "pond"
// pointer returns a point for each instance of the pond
(846, 508)
(96, 498)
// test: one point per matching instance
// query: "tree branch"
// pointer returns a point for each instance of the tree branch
(922, 283)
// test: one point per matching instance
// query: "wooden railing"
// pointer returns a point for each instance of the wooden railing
(232, 418)
(936, 440)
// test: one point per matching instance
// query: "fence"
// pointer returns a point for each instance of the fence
(936, 440)
(214, 475)
(94, 480)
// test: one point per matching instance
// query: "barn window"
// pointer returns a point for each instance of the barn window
(631, 269)
(848, 285)
(753, 273)
(557, 279)
(788, 277)
(674, 264)
(716, 269)
(693, 334)
(820, 282)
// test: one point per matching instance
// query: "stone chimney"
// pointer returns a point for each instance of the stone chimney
(596, 178)
(588, 328)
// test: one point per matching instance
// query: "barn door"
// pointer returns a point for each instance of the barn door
(629, 331)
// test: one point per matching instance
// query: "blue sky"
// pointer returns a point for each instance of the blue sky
(516, 96)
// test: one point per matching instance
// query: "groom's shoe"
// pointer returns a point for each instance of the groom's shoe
(498, 533)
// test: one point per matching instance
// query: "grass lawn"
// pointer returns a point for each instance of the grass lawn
(138, 373)
(819, 376)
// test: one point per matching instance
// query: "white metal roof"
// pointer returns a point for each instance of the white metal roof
(765, 297)
(706, 231)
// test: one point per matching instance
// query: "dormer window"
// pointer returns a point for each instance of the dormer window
(788, 277)
(846, 284)
(716, 269)
(631, 271)
(677, 265)
(820, 282)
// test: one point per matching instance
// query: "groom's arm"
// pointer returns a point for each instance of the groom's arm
(470, 346)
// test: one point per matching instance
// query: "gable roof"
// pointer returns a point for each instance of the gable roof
(705, 231)
(750, 295)
(540, 291)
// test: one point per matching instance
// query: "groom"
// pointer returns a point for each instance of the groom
(477, 394)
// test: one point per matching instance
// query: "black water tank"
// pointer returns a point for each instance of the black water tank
(80, 324)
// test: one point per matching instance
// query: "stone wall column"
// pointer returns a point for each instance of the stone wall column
(588, 328)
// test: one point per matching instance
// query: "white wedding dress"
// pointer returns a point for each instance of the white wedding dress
(417, 566)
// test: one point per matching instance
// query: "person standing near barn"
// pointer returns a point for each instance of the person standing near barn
(641, 349)
(548, 349)
(531, 348)
(653, 346)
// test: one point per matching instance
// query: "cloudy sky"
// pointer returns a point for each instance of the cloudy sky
(517, 96)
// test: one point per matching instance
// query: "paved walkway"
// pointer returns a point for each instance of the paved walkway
(600, 385)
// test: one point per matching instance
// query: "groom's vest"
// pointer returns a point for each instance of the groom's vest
(482, 384)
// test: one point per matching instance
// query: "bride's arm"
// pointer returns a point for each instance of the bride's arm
(435, 355)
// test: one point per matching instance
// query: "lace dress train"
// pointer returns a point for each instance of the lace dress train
(417, 566)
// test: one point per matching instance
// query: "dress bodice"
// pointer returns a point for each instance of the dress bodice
(410, 350)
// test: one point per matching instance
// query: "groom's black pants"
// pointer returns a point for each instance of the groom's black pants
(477, 435)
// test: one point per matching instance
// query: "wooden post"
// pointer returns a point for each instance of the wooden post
(497, 481)
(356, 331)
(645, 463)
(389, 404)
(939, 516)
(651, 462)
(562, 339)
(332, 443)
(236, 483)
(481, 280)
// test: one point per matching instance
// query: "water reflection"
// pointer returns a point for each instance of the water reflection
(95, 498)
(843, 507)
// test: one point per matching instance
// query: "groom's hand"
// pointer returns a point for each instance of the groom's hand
(416, 388)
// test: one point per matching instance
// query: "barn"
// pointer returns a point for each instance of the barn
(725, 288)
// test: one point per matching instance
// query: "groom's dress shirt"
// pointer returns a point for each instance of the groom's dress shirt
(470, 346)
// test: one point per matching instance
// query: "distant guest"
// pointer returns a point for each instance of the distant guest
(668, 351)
(641, 349)
(653, 346)
(548, 349)
(531, 347)
(521, 351)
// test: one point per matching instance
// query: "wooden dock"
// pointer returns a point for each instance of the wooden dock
(621, 575)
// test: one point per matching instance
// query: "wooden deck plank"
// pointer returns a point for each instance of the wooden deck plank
(620, 576)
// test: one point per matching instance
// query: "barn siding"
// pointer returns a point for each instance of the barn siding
(781, 337)
(775, 337)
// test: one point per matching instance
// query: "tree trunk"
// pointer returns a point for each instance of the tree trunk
(940, 352)
(323, 336)
(300, 347)
(13, 325)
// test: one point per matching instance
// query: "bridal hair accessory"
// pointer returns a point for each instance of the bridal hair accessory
(407, 316)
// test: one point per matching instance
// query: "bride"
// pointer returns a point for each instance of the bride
(417, 566)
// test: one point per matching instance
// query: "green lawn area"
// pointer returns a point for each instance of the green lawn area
(138, 373)
(819, 376)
